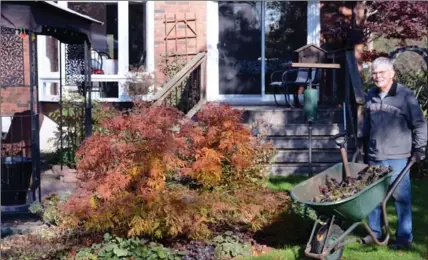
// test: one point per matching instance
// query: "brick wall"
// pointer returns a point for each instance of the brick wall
(178, 10)
(17, 98)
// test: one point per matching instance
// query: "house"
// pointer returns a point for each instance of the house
(244, 42)
(233, 34)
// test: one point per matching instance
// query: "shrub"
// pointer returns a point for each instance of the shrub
(418, 82)
(43, 243)
(229, 246)
(72, 118)
(48, 209)
(154, 172)
(133, 248)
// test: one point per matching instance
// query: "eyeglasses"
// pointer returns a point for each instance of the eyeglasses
(379, 73)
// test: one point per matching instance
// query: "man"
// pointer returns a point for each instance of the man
(394, 130)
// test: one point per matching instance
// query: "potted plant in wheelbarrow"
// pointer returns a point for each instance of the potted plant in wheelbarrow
(15, 174)
(345, 193)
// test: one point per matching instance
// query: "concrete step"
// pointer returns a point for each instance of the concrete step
(298, 168)
(298, 143)
(318, 156)
(298, 130)
(280, 115)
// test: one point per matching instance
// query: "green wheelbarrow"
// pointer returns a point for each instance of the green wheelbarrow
(327, 239)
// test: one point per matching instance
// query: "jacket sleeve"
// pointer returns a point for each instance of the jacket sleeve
(417, 121)
(365, 128)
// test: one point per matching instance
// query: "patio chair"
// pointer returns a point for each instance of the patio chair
(290, 82)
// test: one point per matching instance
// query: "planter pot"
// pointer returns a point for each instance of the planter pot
(15, 180)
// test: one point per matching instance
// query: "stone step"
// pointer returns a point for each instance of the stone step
(298, 169)
(318, 156)
(298, 130)
(280, 115)
(299, 143)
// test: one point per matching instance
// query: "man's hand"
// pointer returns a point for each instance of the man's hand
(419, 154)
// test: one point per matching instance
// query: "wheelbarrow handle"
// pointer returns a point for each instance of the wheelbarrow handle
(399, 178)
(385, 200)
(355, 155)
(341, 143)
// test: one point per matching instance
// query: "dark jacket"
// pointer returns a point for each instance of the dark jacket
(395, 126)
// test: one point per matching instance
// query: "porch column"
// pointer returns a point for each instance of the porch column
(212, 47)
(123, 43)
(314, 22)
(42, 65)
(123, 37)
(150, 36)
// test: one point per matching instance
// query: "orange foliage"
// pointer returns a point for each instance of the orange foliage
(131, 170)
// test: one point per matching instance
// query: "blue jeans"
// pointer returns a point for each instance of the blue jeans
(402, 199)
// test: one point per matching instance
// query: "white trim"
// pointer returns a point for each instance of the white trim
(314, 22)
(251, 99)
(65, 8)
(263, 50)
(212, 47)
(123, 62)
(150, 36)
(313, 36)
(41, 58)
(123, 37)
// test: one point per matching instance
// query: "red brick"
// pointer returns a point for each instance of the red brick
(190, 10)
(17, 98)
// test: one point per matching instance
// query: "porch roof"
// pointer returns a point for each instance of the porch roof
(47, 18)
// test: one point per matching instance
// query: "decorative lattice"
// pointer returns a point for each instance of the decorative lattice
(74, 64)
(12, 58)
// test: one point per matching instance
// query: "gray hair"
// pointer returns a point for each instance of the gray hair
(383, 62)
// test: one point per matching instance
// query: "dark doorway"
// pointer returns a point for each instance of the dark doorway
(240, 48)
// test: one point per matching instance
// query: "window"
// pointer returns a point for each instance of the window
(52, 53)
(105, 53)
(137, 34)
(106, 89)
(285, 31)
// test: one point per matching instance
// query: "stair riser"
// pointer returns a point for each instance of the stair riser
(302, 143)
(290, 144)
(290, 117)
(303, 157)
(298, 130)
(297, 170)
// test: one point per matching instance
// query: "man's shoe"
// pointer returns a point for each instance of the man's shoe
(401, 246)
(368, 240)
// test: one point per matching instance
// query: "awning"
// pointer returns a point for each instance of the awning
(47, 18)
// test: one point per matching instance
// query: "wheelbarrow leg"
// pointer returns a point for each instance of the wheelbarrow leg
(308, 245)
(384, 212)
(326, 249)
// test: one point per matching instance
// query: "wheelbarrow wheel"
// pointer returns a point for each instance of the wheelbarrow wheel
(319, 240)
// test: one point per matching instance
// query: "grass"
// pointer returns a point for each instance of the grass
(293, 249)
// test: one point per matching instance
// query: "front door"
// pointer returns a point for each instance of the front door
(240, 48)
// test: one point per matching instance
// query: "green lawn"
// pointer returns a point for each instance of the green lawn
(292, 249)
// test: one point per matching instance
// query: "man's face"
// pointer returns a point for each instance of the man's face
(383, 76)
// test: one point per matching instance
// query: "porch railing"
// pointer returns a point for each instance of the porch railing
(186, 90)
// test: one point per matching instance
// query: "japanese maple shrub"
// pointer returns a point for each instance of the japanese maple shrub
(155, 172)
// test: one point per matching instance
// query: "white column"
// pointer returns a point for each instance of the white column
(150, 36)
(212, 58)
(263, 36)
(314, 22)
(41, 57)
(123, 37)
